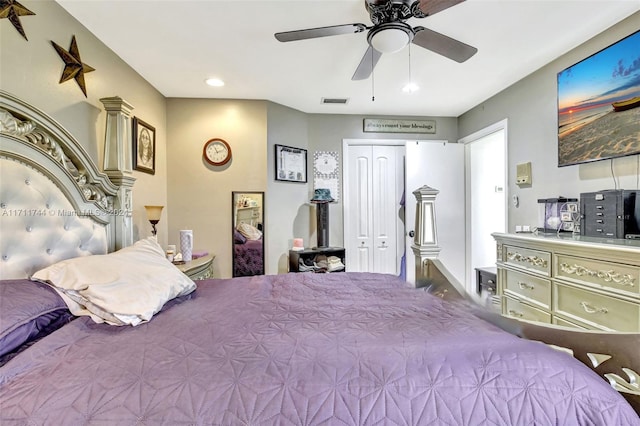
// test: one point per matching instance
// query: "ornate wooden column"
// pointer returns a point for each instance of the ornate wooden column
(117, 164)
(425, 241)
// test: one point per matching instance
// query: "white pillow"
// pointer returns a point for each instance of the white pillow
(249, 231)
(126, 287)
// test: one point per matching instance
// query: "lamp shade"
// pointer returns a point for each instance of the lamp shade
(154, 212)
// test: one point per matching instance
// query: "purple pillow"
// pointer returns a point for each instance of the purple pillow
(238, 238)
(28, 311)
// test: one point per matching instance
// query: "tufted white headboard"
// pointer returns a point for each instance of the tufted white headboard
(54, 202)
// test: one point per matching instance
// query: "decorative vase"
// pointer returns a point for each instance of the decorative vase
(186, 244)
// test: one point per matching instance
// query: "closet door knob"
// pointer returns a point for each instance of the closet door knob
(412, 234)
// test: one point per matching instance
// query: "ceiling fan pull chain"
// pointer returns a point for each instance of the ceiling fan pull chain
(410, 81)
(373, 90)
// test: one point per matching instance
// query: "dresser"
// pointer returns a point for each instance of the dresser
(250, 215)
(575, 281)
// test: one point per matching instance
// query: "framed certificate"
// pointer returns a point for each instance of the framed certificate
(291, 164)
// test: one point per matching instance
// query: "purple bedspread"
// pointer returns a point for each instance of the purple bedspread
(303, 349)
(248, 259)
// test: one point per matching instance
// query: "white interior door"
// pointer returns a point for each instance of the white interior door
(485, 153)
(439, 165)
(358, 213)
(373, 176)
(384, 209)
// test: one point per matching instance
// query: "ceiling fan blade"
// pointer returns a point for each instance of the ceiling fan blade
(320, 32)
(443, 45)
(367, 64)
(430, 7)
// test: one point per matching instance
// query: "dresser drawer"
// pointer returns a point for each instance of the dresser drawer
(606, 274)
(536, 290)
(593, 308)
(533, 260)
(561, 321)
(516, 309)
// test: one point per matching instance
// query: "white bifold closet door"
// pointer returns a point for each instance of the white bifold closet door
(372, 242)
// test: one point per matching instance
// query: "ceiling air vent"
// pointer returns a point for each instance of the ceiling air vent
(335, 101)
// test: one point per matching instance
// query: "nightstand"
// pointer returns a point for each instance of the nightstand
(486, 279)
(198, 269)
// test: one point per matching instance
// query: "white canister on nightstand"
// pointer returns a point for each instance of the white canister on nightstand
(186, 244)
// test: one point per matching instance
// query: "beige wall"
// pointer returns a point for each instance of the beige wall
(530, 106)
(31, 70)
(200, 194)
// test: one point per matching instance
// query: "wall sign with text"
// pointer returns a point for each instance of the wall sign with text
(399, 126)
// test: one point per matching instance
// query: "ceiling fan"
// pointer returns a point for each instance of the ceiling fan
(390, 33)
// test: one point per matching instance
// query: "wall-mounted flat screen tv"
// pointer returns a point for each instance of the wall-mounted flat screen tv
(599, 105)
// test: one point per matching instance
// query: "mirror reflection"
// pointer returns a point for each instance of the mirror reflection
(248, 237)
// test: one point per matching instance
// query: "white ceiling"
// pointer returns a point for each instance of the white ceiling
(176, 44)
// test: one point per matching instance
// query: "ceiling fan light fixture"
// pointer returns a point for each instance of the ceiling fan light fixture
(390, 37)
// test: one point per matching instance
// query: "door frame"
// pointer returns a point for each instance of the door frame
(493, 128)
(346, 143)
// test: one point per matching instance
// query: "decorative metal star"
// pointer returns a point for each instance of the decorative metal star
(73, 66)
(12, 10)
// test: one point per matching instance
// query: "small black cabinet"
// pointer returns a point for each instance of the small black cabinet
(315, 260)
(486, 279)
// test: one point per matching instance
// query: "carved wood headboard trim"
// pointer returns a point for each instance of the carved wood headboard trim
(39, 153)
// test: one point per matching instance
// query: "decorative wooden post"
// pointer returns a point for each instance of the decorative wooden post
(117, 164)
(425, 240)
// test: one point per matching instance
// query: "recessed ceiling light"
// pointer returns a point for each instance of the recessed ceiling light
(215, 82)
(410, 88)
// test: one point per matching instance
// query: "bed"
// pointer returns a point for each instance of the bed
(340, 348)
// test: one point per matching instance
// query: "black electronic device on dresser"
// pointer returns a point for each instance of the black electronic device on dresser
(613, 213)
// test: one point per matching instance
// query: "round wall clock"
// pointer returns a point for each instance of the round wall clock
(216, 152)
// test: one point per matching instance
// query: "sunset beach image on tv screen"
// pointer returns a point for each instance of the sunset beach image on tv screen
(599, 105)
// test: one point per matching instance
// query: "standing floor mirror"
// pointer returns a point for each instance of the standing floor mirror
(248, 233)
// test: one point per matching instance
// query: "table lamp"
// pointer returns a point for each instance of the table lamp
(153, 215)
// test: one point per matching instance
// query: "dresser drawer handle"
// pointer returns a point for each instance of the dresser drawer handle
(590, 309)
(515, 313)
(525, 286)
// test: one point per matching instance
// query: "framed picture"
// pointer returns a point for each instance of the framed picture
(144, 146)
(291, 164)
